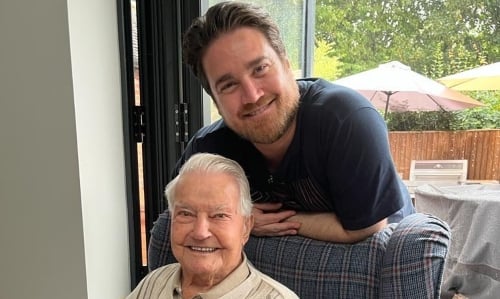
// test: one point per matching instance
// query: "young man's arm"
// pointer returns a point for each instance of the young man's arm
(327, 227)
(320, 226)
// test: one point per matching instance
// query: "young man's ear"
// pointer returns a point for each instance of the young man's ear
(286, 62)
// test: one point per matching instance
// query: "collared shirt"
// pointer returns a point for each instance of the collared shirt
(244, 282)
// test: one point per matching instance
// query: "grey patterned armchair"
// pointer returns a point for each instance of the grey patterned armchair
(405, 260)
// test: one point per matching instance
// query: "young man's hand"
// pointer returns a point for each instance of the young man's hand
(271, 221)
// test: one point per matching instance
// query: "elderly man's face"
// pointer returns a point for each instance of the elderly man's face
(208, 231)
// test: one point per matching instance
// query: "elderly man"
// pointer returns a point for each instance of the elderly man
(211, 211)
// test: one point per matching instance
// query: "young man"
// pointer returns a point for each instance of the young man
(316, 155)
(211, 218)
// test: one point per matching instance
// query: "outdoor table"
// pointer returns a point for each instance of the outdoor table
(472, 266)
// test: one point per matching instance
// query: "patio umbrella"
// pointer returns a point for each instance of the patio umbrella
(393, 86)
(486, 77)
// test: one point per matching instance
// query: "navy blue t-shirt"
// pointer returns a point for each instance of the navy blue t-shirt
(339, 159)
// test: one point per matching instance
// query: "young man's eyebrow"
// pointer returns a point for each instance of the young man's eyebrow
(249, 65)
(222, 79)
(256, 61)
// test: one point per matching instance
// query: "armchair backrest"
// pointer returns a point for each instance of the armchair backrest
(404, 260)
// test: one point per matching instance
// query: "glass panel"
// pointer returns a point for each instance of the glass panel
(142, 209)
(140, 164)
(290, 16)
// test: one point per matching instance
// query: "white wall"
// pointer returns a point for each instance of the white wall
(63, 226)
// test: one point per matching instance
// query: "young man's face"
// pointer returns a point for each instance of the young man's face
(253, 88)
(208, 231)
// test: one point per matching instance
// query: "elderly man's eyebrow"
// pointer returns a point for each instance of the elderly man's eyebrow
(182, 205)
(248, 65)
(222, 208)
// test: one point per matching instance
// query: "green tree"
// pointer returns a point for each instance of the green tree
(326, 66)
(365, 33)
(487, 117)
(433, 37)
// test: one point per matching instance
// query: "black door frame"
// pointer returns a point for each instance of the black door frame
(166, 87)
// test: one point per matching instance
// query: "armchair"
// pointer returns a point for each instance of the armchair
(405, 260)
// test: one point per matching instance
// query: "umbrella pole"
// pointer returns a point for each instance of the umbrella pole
(437, 104)
(387, 104)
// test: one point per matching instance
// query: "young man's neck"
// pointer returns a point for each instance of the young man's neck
(274, 152)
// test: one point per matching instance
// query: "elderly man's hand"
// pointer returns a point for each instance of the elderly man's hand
(270, 220)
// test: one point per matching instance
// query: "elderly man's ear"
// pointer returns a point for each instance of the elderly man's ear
(248, 227)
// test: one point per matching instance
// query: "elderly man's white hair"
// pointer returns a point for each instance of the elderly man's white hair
(211, 163)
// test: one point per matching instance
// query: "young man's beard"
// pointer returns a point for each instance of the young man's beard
(270, 130)
(273, 129)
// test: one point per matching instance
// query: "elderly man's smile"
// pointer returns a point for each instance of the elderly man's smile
(202, 249)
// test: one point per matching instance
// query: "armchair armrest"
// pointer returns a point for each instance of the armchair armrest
(413, 264)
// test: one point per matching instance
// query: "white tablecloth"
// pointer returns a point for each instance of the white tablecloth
(473, 212)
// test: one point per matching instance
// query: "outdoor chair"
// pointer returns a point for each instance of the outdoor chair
(404, 260)
(436, 172)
